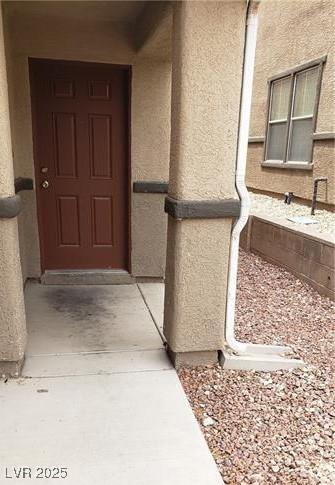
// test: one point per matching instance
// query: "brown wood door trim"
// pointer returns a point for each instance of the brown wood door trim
(127, 165)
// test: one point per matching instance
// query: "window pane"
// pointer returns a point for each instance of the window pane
(301, 141)
(276, 141)
(280, 97)
(305, 92)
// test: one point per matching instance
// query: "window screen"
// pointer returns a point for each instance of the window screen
(278, 118)
(300, 146)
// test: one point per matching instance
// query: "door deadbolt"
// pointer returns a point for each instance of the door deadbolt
(45, 184)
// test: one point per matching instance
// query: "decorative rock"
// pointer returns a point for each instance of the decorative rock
(208, 421)
(281, 431)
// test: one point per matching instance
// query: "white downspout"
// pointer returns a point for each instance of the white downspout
(242, 148)
(247, 355)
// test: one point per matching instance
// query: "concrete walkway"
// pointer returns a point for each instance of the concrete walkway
(99, 396)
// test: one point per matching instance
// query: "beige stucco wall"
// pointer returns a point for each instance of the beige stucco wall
(201, 156)
(93, 40)
(151, 158)
(300, 182)
(304, 30)
(12, 315)
(207, 65)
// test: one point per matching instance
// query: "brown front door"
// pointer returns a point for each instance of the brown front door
(80, 124)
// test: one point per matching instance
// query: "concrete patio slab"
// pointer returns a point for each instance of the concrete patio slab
(71, 319)
(98, 395)
(124, 429)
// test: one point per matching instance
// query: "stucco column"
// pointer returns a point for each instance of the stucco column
(12, 313)
(208, 40)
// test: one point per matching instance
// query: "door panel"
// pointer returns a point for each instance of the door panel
(68, 221)
(100, 146)
(80, 124)
(65, 144)
(102, 209)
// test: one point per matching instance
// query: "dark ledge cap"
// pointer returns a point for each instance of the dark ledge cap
(23, 183)
(10, 206)
(202, 209)
(154, 187)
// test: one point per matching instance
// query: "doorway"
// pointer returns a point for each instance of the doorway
(81, 150)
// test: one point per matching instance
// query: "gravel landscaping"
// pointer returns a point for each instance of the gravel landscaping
(277, 427)
(264, 204)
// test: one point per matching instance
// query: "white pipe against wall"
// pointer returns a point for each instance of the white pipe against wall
(242, 148)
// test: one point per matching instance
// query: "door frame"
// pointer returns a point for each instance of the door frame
(32, 61)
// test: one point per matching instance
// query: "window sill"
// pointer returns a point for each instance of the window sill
(288, 165)
(326, 135)
(256, 139)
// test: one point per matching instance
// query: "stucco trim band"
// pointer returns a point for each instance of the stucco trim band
(152, 187)
(23, 183)
(202, 209)
(324, 136)
(10, 206)
(288, 165)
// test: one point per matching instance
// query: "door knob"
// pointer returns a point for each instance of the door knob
(45, 184)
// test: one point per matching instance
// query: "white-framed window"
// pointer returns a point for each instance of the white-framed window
(292, 110)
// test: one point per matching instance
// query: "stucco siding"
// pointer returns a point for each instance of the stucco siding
(304, 31)
(207, 55)
(91, 41)
(151, 101)
(205, 156)
(12, 315)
